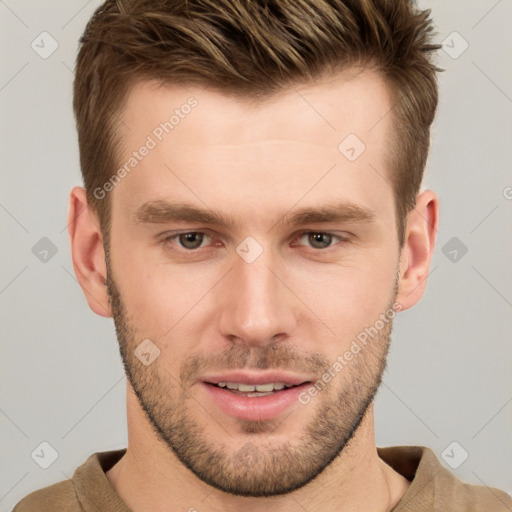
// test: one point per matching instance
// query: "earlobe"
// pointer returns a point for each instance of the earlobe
(418, 249)
(87, 252)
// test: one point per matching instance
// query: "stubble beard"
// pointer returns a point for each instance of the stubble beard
(261, 467)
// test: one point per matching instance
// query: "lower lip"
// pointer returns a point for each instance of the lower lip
(258, 408)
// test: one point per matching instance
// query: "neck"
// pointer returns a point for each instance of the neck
(150, 477)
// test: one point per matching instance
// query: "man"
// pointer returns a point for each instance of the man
(252, 220)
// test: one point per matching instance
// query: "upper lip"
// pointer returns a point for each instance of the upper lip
(245, 377)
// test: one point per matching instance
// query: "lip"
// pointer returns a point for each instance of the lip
(253, 378)
(261, 408)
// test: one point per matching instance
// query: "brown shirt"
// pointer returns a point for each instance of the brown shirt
(433, 487)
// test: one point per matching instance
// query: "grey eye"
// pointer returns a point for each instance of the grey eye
(191, 240)
(320, 240)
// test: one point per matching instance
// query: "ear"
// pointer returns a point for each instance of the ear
(87, 252)
(416, 254)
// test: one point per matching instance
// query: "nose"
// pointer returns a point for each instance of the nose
(257, 305)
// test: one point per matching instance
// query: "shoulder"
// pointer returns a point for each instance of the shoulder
(59, 496)
(434, 487)
(88, 487)
(472, 497)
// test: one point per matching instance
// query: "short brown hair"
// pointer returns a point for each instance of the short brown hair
(252, 49)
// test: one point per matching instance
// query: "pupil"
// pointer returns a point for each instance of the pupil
(191, 240)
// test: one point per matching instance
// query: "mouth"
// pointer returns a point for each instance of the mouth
(254, 397)
(254, 390)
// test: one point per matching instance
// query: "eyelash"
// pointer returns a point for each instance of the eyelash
(168, 238)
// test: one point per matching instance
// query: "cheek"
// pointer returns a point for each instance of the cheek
(351, 294)
(160, 296)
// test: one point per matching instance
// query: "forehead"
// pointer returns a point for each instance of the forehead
(353, 101)
(211, 148)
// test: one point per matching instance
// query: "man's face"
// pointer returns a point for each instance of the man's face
(267, 295)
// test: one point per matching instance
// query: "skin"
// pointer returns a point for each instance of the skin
(296, 307)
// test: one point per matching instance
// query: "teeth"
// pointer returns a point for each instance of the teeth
(245, 387)
(265, 388)
(248, 388)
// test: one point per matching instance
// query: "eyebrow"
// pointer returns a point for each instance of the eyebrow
(337, 212)
(160, 212)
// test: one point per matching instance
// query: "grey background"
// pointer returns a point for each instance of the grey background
(448, 377)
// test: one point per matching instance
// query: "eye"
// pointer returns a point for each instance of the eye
(321, 239)
(193, 240)
(189, 240)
